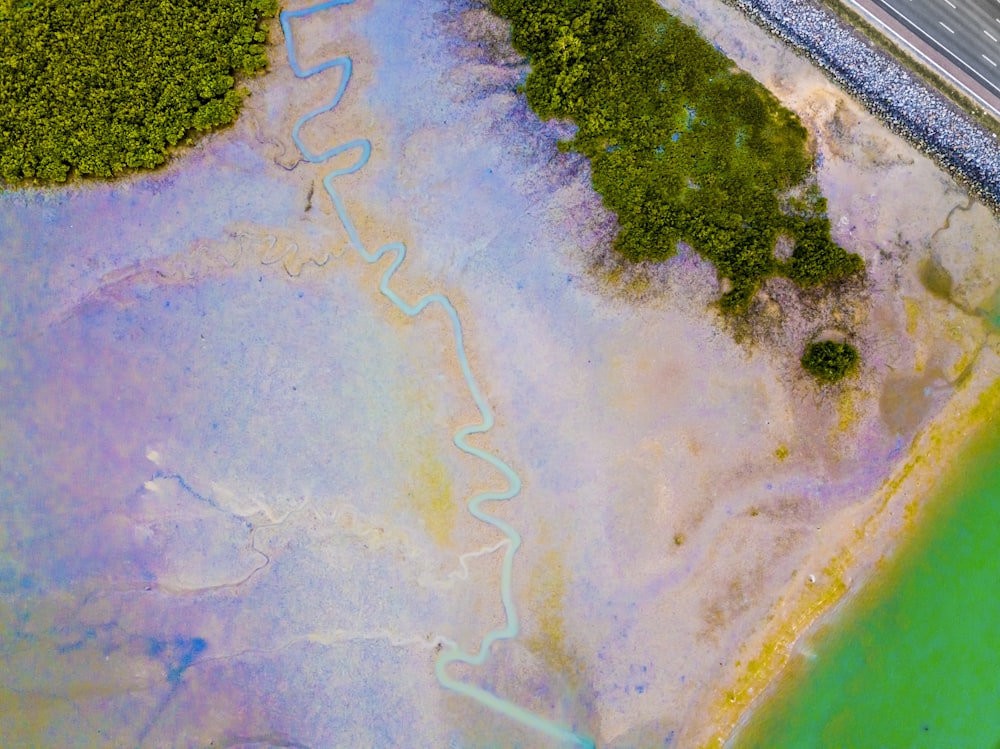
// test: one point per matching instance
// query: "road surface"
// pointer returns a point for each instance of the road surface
(961, 38)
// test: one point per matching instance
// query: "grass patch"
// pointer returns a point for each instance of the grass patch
(99, 87)
(683, 146)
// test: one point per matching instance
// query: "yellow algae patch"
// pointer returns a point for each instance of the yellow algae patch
(548, 596)
(847, 410)
(816, 596)
(775, 651)
(432, 497)
(912, 314)
(625, 282)
(959, 372)
(32, 716)
(985, 408)
(637, 286)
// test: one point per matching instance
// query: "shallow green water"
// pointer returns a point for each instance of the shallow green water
(914, 661)
(993, 312)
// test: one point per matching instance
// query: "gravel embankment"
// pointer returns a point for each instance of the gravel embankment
(905, 103)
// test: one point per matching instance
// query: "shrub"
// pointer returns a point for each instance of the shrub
(96, 87)
(682, 145)
(829, 361)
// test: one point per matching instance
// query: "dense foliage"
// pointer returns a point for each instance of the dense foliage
(830, 361)
(682, 145)
(101, 86)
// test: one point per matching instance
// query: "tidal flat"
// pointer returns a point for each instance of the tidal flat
(235, 512)
(872, 673)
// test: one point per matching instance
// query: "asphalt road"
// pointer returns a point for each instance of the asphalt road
(965, 32)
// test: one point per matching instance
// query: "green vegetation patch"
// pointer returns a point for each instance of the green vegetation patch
(97, 87)
(829, 361)
(683, 146)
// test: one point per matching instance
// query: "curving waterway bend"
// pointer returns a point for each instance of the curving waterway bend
(451, 653)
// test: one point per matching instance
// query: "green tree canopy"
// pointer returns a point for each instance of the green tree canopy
(96, 87)
(683, 146)
(829, 361)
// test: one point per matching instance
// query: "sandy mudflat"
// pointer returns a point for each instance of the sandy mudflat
(684, 493)
(690, 502)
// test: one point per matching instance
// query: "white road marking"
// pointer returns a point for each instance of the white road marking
(972, 70)
(947, 26)
(989, 61)
(951, 4)
(989, 35)
(930, 62)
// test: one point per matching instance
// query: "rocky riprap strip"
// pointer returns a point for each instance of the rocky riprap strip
(906, 104)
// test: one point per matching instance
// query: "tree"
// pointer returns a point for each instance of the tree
(829, 361)
(682, 146)
(98, 87)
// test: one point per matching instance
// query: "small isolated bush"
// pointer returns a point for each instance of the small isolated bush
(96, 87)
(829, 361)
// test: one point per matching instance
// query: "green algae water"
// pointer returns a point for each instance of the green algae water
(993, 312)
(914, 660)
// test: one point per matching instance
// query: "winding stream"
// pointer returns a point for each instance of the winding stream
(450, 654)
